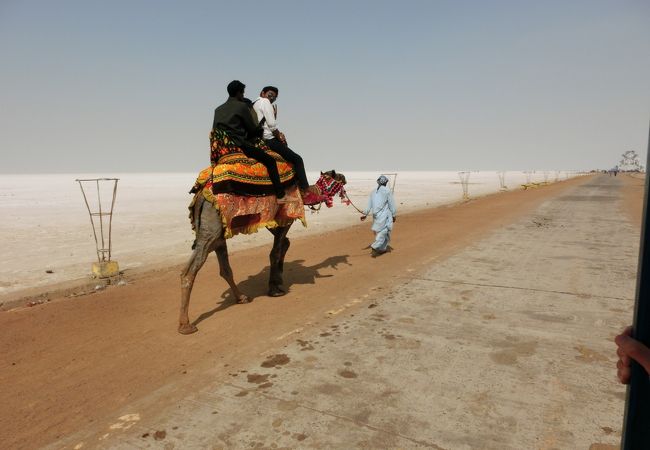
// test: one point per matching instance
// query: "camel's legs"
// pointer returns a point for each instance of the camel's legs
(226, 271)
(285, 247)
(280, 246)
(199, 255)
(209, 234)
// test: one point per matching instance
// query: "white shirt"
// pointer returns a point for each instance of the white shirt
(264, 109)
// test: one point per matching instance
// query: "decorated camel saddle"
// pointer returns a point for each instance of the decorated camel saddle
(241, 190)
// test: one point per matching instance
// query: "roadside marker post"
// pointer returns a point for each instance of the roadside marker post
(464, 182)
(104, 267)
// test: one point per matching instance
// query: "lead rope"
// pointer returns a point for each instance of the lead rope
(320, 205)
(319, 183)
(314, 209)
(353, 205)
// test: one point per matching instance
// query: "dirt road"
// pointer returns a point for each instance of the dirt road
(73, 362)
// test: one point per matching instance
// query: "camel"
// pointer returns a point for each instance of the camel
(210, 237)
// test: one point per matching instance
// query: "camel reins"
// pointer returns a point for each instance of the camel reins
(351, 203)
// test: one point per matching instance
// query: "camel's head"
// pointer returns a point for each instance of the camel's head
(328, 185)
(335, 176)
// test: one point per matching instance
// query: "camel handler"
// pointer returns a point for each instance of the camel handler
(235, 118)
(382, 207)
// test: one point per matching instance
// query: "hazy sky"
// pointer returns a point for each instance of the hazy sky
(122, 86)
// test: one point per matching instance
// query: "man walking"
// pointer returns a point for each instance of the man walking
(235, 118)
(275, 139)
(382, 207)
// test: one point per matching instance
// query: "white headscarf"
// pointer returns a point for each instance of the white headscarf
(382, 181)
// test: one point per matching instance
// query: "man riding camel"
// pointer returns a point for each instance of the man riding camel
(235, 118)
(267, 116)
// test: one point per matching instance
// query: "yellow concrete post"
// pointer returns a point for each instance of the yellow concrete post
(105, 269)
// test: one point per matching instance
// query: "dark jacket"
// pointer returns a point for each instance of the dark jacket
(235, 118)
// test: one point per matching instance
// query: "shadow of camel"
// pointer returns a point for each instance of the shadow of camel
(294, 273)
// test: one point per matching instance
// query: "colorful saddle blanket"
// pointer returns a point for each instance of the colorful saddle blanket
(245, 214)
(234, 173)
(240, 188)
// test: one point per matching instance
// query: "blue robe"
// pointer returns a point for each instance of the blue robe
(382, 207)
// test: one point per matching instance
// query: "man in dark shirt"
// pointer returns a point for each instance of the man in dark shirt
(235, 118)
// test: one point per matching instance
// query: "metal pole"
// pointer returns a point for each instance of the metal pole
(110, 220)
(101, 221)
(636, 423)
(92, 222)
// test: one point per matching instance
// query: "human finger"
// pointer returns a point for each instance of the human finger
(635, 350)
(624, 374)
(623, 356)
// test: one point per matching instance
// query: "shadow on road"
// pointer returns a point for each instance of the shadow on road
(295, 272)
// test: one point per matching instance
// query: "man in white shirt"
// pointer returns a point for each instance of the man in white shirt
(267, 115)
(382, 207)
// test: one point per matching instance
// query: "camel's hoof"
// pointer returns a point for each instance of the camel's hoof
(187, 329)
(276, 292)
(243, 299)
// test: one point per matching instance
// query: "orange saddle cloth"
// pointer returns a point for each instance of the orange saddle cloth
(235, 173)
(240, 188)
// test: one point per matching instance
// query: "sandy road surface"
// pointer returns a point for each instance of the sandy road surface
(71, 363)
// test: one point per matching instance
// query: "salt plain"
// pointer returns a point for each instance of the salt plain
(46, 228)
